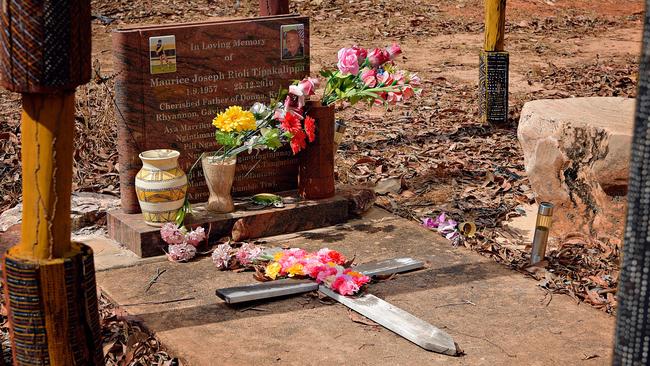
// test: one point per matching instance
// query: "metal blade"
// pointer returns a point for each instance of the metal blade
(397, 320)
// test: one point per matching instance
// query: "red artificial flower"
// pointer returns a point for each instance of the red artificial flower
(336, 257)
(310, 128)
(291, 123)
(298, 141)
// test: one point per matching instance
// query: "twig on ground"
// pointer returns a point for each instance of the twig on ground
(154, 279)
(160, 302)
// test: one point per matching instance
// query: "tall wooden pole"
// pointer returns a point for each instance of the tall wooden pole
(274, 7)
(494, 65)
(495, 25)
(50, 288)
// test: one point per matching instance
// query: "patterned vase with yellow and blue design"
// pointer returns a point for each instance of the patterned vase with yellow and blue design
(161, 186)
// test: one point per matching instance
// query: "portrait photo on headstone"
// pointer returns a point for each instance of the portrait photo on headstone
(293, 41)
(162, 54)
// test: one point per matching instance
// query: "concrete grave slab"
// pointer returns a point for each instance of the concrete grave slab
(497, 316)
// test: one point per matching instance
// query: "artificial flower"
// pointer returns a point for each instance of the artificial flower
(272, 270)
(378, 57)
(290, 123)
(344, 285)
(195, 236)
(369, 77)
(221, 256)
(336, 257)
(298, 141)
(235, 119)
(348, 61)
(172, 234)
(362, 53)
(248, 253)
(181, 252)
(295, 270)
(310, 128)
(393, 51)
(308, 86)
(408, 92)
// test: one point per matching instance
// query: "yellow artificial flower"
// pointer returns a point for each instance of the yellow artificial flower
(235, 119)
(278, 256)
(331, 264)
(272, 270)
(296, 270)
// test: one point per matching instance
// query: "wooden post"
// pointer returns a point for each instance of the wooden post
(495, 24)
(47, 146)
(50, 288)
(274, 7)
(494, 65)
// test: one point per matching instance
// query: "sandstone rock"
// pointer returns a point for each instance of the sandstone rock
(88, 209)
(576, 153)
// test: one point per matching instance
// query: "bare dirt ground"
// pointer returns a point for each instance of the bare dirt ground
(444, 159)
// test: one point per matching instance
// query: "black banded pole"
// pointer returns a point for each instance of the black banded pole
(632, 342)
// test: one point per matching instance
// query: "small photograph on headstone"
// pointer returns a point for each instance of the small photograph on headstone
(293, 41)
(162, 54)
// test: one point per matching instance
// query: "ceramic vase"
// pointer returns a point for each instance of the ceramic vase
(316, 162)
(160, 185)
(219, 175)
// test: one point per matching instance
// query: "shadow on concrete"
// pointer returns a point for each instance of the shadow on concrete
(339, 233)
(413, 282)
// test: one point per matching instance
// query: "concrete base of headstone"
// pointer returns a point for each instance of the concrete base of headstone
(576, 153)
(145, 241)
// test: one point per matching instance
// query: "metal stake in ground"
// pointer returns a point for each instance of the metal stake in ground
(49, 282)
(633, 323)
(493, 66)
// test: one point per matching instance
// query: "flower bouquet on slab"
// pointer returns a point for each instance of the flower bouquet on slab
(325, 266)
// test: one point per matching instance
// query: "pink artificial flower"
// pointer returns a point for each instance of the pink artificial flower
(369, 77)
(344, 285)
(325, 273)
(313, 268)
(171, 234)
(221, 256)
(308, 86)
(393, 51)
(296, 252)
(348, 61)
(362, 53)
(378, 57)
(248, 253)
(195, 236)
(181, 252)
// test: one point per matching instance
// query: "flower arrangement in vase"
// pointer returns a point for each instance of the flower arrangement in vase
(258, 128)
